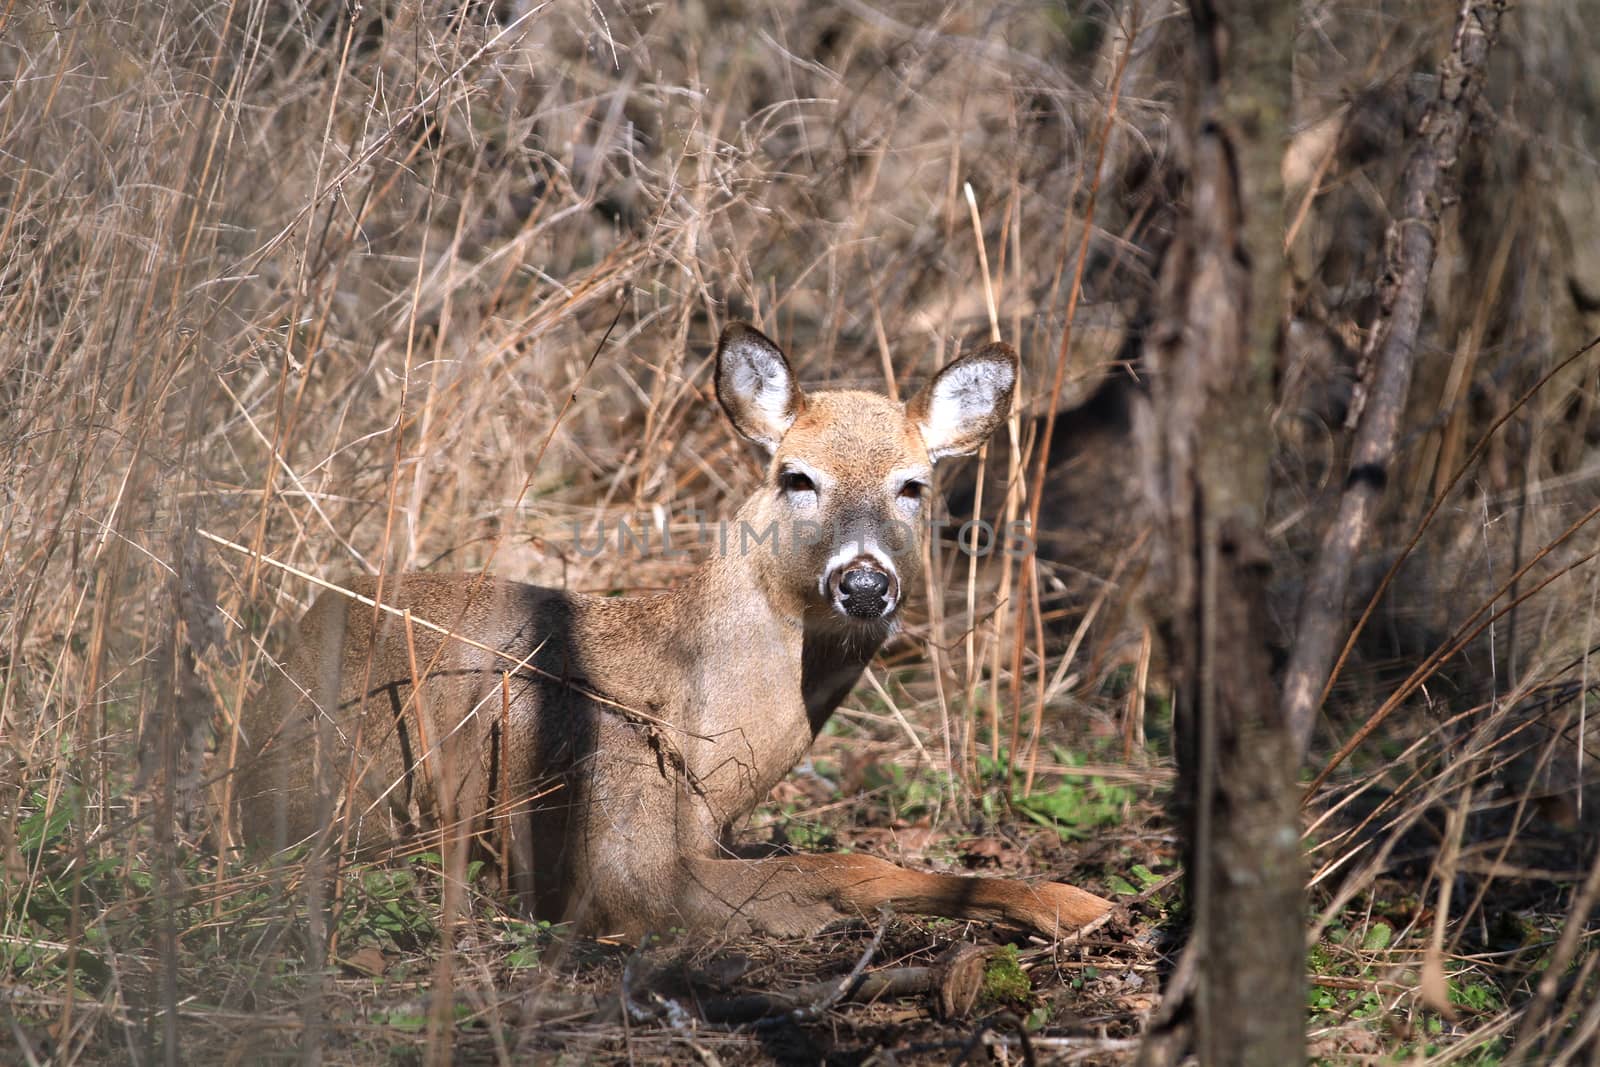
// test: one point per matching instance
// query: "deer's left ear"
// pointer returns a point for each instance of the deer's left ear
(966, 401)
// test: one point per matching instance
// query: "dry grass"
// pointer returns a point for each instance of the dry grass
(336, 290)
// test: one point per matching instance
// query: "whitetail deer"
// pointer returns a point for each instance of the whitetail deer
(605, 749)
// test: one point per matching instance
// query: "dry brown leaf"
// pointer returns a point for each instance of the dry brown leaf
(368, 961)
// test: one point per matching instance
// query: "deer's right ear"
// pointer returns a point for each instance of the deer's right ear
(755, 385)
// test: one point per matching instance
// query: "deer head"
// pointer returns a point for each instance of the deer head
(844, 501)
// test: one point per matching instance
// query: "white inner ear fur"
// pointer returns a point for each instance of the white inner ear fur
(964, 398)
(767, 388)
(761, 380)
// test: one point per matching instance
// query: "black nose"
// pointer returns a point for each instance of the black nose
(863, 582)
(864, 592)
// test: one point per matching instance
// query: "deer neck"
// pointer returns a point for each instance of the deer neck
(831, 652)
(770, 665)
(831, 663)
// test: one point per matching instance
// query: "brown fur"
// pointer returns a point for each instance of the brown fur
(604, 750)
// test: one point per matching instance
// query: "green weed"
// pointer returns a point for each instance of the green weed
(1005, 983)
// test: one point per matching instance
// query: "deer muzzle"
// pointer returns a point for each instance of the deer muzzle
(864, 588)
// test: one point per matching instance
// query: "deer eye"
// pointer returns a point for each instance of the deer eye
(793, 481)
(913, 490)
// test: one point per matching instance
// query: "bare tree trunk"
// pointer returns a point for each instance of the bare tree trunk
(1209, 451)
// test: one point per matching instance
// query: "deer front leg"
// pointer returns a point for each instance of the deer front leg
(797, 894)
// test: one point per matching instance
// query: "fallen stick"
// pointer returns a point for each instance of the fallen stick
(956, 978)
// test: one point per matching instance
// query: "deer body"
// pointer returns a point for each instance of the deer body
(604, 749)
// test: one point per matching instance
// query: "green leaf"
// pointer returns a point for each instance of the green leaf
(524, 958)
(1378, 937)
(1122, 886)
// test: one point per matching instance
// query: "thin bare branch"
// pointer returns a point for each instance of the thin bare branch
(1413, 243)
